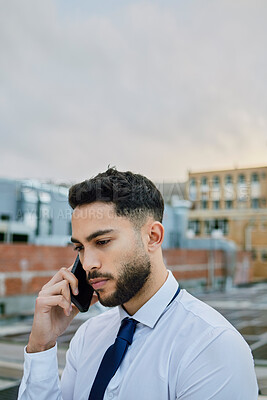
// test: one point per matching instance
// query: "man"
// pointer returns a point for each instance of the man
(181, 348)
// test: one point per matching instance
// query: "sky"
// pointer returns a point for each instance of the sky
(156, 87)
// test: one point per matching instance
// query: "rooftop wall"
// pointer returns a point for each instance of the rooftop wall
(24, 269)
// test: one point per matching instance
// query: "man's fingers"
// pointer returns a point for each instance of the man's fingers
(45, 303)
(64, 274)
(61, 287)
(61, 274)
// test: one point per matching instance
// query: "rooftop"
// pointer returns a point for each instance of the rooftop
(245, 308)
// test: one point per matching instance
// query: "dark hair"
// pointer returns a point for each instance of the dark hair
(133, 195)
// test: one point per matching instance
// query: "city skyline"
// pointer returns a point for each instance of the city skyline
(158, 87)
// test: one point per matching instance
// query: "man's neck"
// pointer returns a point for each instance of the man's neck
(153, 284)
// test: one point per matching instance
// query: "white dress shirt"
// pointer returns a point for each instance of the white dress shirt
(185, 351)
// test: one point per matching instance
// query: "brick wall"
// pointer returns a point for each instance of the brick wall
(202, 265)
(24, 269)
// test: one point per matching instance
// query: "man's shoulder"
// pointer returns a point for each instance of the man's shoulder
(195, 309)
(197, 327)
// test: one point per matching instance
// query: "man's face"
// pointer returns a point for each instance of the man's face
(111, 251)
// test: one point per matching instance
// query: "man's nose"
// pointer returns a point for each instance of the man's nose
(90, 261)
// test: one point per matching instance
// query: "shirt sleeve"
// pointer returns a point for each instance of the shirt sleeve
(74, 354)
(221, 369)
(40, 379)
(69, 373)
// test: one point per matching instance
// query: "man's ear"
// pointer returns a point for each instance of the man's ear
(156, 235)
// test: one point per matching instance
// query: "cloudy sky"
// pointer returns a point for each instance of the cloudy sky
(157, 87)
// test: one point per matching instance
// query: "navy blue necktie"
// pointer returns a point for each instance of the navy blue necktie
(113, 358)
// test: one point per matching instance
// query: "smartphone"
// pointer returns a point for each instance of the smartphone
(83, 299)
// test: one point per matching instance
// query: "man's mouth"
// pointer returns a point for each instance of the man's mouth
(97, 283)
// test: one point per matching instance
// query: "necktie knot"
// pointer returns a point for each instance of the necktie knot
(127, 329)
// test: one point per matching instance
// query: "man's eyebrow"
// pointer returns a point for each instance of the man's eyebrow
(93, 235)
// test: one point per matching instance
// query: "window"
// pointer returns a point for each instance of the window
(216, 204)
(254, 177)
(2, 236)
(242, 190)
(228, 204)
(222, 225)
(228, 179)
(241, 178)
(264, 255)
(263, 202)
(211, 225)
(204, 204)
(192, 189)
(225, 226)
(193, 182)
(194, 225)
(253, 254)
(216, 181)
(17, 237)
(5, 217)
(204, 180)
(207, 227)
(255, 203)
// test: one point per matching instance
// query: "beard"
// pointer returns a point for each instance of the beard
(131, 279)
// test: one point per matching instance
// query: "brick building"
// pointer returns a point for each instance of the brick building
(233, 201)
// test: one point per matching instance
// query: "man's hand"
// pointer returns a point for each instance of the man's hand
(53, 310)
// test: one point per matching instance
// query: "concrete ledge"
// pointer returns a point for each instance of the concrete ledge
(11, 370)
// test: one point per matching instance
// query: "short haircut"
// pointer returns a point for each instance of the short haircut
(134, 196)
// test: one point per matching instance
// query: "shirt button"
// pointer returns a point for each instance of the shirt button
(110, 395)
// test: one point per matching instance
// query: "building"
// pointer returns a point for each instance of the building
(172, 191)
(233, 203)
(34, 212)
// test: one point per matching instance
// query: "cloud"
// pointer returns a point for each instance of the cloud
(158, 87)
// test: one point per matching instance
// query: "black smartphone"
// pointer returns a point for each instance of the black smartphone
(83, 299)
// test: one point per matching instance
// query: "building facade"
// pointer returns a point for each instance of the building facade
(232, 203)
(34, 212)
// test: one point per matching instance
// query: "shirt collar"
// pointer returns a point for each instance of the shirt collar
(151, 311)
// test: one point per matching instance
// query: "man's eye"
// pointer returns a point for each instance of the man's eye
(77, 248)
(103, 242)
